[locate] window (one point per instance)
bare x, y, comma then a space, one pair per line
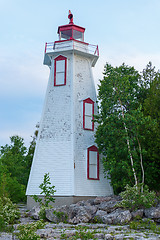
88, 112
92, 163
60, 66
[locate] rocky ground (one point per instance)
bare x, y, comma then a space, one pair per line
79, 216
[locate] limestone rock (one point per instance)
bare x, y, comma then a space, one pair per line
44, 233
34, 212
137, 213
99, 214
118, 216
99, 236
6, 236
98, 200
108, 237
56, 215
78, 214
153, 213
86, 203
108, 206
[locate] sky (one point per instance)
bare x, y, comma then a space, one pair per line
125, 31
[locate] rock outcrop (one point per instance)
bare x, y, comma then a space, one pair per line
100, 209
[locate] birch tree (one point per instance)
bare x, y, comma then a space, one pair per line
120, 122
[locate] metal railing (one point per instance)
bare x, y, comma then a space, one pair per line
71, 44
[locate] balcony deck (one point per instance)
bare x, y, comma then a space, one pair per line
70, 45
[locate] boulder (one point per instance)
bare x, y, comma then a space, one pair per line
89, 202
98, 200
109, 206
153, 213
56, 215
34, 212
98, 216
78, 214
138, 213
118, 216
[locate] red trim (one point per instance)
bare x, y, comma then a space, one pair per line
59, 58
73, 40
92, 149
88, 100
70, 26
97, 50
45, 47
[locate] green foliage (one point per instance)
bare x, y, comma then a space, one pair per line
47, 192
42, 213
15, 162
134, 199
8, 213
97, 220
119, 121
127, 127
81, 233
145, 224
27, 231
151, 101
61, 216
12, 170
31, 149
63, 235
84, 235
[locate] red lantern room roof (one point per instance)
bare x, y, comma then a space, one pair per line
71, 31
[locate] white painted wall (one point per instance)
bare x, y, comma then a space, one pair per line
62, 142
54, 150
83, 88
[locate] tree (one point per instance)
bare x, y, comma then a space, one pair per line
150, 99
15, 164
30, 152
121, 121
12, 169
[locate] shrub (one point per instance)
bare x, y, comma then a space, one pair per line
61, 216
81, 233
134, 199
47, 191
9, 212
27, 231
42, 212
145, 224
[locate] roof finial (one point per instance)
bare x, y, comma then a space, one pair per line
70, 16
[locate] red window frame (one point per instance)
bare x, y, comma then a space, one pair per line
92, 149
59, 58
90, 101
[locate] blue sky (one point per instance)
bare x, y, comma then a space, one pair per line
125, 30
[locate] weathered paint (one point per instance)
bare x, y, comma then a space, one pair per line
62, 143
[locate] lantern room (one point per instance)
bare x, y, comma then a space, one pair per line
71, 31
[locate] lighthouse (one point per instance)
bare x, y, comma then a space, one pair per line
66, 146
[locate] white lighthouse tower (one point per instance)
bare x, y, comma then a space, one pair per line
65, 146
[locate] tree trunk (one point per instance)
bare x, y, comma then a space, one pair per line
128, 144
140, 152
